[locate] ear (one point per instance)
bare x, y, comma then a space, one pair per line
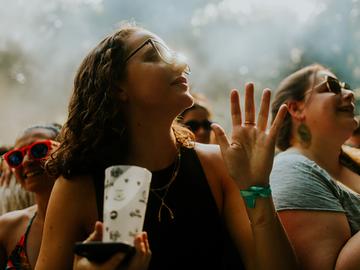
296, 110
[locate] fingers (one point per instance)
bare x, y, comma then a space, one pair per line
113, 262
142, 257
275, 127
235, 108
141, 243
220, 136
6, 174
96, 235
249, 104
264, 110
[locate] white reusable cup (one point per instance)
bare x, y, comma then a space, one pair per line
125, 197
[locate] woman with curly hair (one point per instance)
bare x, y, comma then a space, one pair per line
127, 94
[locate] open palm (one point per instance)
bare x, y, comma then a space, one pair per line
249, 155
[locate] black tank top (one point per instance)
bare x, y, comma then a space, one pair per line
196, 238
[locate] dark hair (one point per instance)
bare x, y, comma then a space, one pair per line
292, 88
94, 135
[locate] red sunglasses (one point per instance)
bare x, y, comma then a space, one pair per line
37, 150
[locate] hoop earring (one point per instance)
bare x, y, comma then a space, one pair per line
304, 134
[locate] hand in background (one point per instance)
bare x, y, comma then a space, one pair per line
5, 173
140, 260
249, 155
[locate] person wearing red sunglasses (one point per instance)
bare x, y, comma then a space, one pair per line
21, 231
205, 200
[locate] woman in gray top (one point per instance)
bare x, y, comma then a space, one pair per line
315, 192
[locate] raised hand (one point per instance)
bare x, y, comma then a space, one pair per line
249, 155
5, 173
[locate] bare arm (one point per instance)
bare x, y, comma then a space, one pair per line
248, 157
3, 254
322, 239
70, 217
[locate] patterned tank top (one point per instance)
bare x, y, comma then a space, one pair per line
18, 259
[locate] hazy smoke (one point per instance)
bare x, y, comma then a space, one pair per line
228, 43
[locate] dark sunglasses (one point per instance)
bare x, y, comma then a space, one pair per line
334, 85
37, 150
194, 125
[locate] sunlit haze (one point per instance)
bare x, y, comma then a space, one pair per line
227, 43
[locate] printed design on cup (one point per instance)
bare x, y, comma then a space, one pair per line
136, 213
119, 195
113, 214
133, 233
116, 172
125, 198
115, 235
143, 198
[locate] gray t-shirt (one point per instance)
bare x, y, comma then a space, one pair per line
298, 183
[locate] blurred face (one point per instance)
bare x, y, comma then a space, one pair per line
197, 120
156, 78
329, 107
30, 173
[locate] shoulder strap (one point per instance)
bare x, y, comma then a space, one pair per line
28, 227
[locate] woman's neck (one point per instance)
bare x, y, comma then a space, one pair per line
153, 148
41, 200
325, 155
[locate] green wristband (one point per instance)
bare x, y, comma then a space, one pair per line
252, 193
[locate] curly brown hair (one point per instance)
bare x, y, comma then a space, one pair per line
94, 135
292, 88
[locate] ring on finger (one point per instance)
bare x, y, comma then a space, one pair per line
250, 123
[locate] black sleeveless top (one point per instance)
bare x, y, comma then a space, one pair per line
196, 238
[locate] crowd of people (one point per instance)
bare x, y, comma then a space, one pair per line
215, 201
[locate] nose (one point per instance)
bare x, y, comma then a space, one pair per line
27, 158
348, 94
180, 64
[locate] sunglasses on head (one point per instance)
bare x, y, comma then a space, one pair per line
37, 150
334, 85
195, 125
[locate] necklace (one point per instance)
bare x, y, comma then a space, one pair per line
166, 188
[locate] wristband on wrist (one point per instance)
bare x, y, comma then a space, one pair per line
253, 192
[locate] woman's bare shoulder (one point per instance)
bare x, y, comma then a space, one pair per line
13, 224
210, 155
77, 195
208, 150
74, 186
14, 217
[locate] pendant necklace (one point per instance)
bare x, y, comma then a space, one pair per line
166, 188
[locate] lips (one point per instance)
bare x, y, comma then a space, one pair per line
347, 109
33, 173
181, 80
